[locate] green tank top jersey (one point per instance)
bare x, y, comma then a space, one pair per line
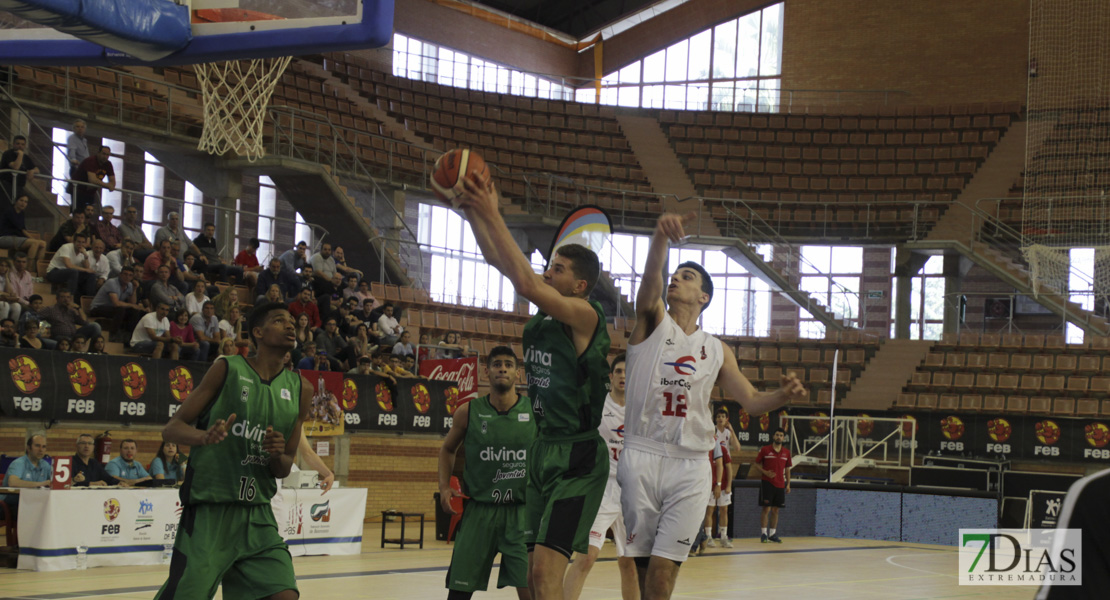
237, 470
568, 391
496, 451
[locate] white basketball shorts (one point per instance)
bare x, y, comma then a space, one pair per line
609, 515
663, 499
724, 500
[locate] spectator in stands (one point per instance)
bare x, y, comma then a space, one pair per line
278, 275
123, 257
79, 345
132, 229
341, 264
190, 272
450, 346
403, 347
247, 259
164, 291
362, 293
232, 327
408, 361
118, 300
381, 367
308, 279
328, 305
32, 470
168, 464
195, 300
16, 159
424, 350
99, 262
152, 334
172, 231
14, 234
98, 345
330, 342
157, 259
30, 338
182, 333
397, 368
350, 287
77, 150
304, 304
365, 366
217, 265
308, 356
71, 267
77, 223
105, 230
287, 362
348, 323
87, 471
303, 329
94, 174
19, 281
64, 345
206, 326
273, 295
228, 347
225, 300
67, 319
9, 338
359, 345
10, 305
124, 467
365, 315
293, 259
324, 271
390, 328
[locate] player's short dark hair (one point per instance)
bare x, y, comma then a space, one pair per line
208, 224
128, 440
33, 298
778, 429
19, 255
706, 280
618, 359
720, 410
253, 243
583, 262
501, 351
19, 137
258, 315
7, 320
80, 234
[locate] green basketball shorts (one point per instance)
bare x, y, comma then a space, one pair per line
566, 482
484, 530
234, 544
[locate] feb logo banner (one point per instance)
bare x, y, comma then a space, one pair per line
463, 371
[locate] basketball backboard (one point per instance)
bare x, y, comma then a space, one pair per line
188, 31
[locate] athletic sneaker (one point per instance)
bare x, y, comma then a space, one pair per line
763, 539
709, 543
775, 539
726, 543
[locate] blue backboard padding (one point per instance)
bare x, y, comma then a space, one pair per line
146, 29
375, 31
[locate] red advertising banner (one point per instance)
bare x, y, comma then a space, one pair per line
463, 371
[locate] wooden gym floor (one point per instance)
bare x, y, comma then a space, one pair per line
802, 568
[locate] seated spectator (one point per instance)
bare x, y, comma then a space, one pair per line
9, 338
397, 368
91, 174
329, 342
248, 257
118, 300
20, 283
105, 230
71, 267
206, 327
182, 334
172, 231
98, 345
341, 264
157, 259
287, 362
64, 345
124, 467
16, 159
273, 295
391, 329
216, 265
31, 339
424, 350
67, 319
308, 356
152, 334
226, 299
303, 330
76, 224
14, 234
190, 271
305, 304
164, 291
324, 271
408, 361
228, 347
168, 464
276, 274
450, 346
403, 347
79, 345
308, 279
365, 366
196, 299
293, 259
366, 313
122, 258
380, 362
232, 327
132, 229
99, 262
10, 305
32, 470
350, 287
362, 293
87, 471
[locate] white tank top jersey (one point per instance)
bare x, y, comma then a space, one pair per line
670, 381
723, 438
612, 431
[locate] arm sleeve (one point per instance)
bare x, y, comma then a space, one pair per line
789, 461
103, 475
142, 470
112, 469
156, 468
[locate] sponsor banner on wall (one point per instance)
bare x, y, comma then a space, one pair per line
170, 381
29, 390
463, 371
380, 399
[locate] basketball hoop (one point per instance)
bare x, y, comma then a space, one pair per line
236, 94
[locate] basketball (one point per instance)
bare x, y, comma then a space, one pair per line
449, 173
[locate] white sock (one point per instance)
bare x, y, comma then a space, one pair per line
722, 532
772, 532
709, 531
764, 530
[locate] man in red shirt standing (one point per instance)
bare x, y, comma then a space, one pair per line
774, 463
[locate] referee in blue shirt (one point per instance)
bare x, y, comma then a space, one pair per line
31, 470
125, 468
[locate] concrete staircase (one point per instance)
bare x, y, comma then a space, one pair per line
652, 148
886, 374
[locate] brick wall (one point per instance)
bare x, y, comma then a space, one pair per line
876, 277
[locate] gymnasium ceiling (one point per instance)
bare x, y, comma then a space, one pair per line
576, 18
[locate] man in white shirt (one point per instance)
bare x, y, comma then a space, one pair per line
391, 329
152, 334
123, 257
70, 267
98, 261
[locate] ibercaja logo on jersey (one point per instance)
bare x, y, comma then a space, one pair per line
384, 396
134, 380
421, 399
81, 376
25, 373
683, 366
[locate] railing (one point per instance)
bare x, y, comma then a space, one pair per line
328, 144
957, 301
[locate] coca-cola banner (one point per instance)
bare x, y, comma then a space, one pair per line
463, 371
326, 417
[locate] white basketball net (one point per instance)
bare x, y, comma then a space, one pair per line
1066, 205
236, 94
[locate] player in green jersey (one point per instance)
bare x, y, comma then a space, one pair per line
497, 429
565, 350
243, 423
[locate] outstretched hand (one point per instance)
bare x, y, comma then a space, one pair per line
674, 226
792, 388
480, 193
218, 431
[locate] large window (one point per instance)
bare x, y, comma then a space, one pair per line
459, 274
415, 59
1081, 286
735, 66
926, 300
831, 275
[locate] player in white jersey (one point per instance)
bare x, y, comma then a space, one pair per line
609, 515
725, 440
672, 368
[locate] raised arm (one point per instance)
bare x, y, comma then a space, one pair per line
737, 388
327, 478
649, 298
447, 453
